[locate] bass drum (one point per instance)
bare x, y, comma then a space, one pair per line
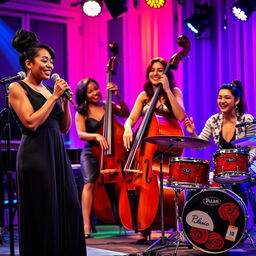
214, 220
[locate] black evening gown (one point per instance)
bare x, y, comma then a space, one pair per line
50, 216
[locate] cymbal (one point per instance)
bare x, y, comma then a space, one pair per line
177, 141
247, 141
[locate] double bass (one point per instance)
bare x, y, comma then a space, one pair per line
139, 198
111, 161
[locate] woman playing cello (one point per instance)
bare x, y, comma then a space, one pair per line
89, 118
170, 102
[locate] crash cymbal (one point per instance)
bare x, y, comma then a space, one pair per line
247, 141
177, 141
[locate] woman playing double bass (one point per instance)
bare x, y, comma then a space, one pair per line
170, 103
89, 119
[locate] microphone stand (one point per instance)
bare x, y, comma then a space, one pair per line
9, 171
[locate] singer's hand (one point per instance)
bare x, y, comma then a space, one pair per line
60, 87
64, 98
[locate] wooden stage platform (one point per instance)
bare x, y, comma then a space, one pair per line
110, 240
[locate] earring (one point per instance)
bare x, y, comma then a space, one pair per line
236, 108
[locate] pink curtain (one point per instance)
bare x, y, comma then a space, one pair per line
230, 54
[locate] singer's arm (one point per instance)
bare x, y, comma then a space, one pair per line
66, 120
20, 103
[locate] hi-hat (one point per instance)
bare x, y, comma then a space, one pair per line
177, 141
247, 141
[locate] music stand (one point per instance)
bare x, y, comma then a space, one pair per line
170, 142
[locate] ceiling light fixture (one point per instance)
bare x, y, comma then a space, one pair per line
201, 19
156, 4
91, 8
243, 9
116, 7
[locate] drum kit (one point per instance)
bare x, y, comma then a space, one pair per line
214, 219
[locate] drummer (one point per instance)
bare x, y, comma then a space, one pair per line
222, 126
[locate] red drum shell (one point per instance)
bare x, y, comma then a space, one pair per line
231, 166
187, 172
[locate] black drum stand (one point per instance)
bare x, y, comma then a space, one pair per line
174, 240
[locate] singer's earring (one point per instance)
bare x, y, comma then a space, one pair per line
236, 108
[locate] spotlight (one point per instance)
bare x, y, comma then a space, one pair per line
201, 19
243, 9
116, 7
92, 7
155, 3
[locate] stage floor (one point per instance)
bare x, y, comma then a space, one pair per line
110, 240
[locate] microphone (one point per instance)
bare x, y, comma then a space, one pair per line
19, 76
246, 123
67, 93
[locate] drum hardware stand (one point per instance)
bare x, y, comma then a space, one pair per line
247, 235
178, 234
175, 238
251, 199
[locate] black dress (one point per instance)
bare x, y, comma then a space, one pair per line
89, 163
50, 217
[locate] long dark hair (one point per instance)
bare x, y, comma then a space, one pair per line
236, 90
28, 45
81, 95
148, 87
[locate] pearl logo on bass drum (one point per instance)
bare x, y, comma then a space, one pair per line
211, 201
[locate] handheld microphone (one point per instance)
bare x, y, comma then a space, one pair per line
19, 76
246, 123
67, 93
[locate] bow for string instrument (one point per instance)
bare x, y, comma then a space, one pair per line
111, 177
139, 198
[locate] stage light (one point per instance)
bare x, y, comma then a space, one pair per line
201, 19
243, 9
155, 3
116, 7
92, 8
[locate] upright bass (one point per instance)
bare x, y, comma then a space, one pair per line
111, 177
139, 198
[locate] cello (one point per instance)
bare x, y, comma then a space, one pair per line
111, 161
139, 197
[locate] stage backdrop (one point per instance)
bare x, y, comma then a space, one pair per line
228, 55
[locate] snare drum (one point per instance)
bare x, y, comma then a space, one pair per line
214, 220
231, 166
187, 172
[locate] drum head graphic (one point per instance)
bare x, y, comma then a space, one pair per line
214, 221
